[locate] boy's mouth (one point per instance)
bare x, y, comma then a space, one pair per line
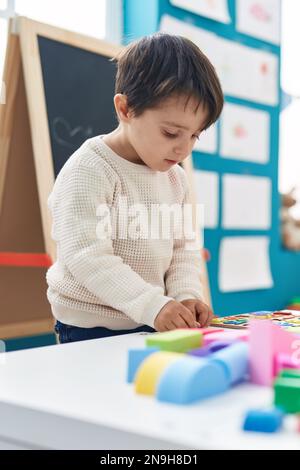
171, 162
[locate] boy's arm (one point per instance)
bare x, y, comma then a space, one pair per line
91, 260
183, 281
183, 276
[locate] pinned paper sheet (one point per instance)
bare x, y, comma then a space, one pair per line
248, 73
207, 192
246, 202
245, 133
245, 72
244, 264
214, 9
259, 18
205, 40
207, 141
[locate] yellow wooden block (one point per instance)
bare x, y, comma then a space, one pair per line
149, 373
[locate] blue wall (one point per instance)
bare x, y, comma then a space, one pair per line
28, 342
143, 17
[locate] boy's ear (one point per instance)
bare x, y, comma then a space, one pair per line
121, 106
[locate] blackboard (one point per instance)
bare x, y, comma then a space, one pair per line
79, 90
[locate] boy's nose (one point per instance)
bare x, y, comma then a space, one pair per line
182, 150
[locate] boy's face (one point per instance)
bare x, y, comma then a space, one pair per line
165, 135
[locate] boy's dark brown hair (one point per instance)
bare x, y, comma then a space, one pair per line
159, 66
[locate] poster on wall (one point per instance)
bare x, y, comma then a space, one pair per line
247, 73
245, 264
213, 9
259, 18
204, 39
246, 202
245, 133
244, 72
207, 193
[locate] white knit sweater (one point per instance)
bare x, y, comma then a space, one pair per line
115, 281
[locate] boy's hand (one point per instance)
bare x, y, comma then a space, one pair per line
174, 315
201, 312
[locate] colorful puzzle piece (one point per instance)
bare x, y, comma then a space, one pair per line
287, 319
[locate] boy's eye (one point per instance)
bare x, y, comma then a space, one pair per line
173, 136
169, 134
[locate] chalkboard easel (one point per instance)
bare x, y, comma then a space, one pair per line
60, 88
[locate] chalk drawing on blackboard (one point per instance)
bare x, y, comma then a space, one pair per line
69, 137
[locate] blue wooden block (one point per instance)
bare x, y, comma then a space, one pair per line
235, 360
210, 348
191, 379
135, 359
263, 420
200, 352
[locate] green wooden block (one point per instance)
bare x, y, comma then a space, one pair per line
176, 340
290, 373
287, 394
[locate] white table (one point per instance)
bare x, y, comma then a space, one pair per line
75, 396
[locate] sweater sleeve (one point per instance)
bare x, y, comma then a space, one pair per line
91, 258
183, 276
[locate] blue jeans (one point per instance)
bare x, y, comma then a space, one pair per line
70, 333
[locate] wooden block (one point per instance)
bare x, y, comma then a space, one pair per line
235, 360
191, 379
176, 341
290, 373
283, 362
263, 420
287, 394
267, 340
151, 369
135, 359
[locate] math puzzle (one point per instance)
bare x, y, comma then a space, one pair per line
287, 319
